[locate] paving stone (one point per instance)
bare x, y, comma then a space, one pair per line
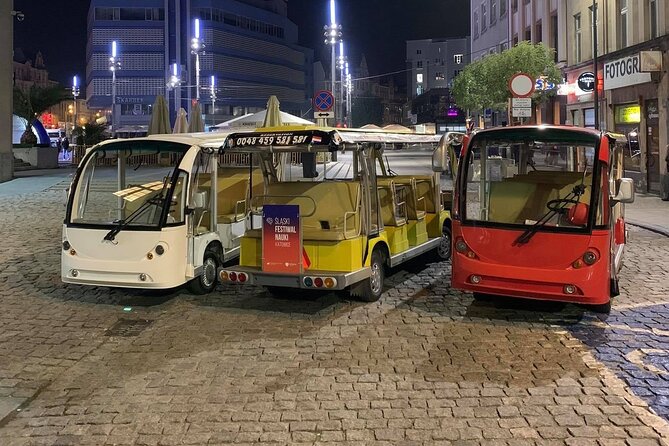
425, 365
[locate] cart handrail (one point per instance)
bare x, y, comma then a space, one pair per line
253, 201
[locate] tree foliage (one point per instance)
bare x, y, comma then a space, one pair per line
30, 104
366, 110
90, 134
485, 83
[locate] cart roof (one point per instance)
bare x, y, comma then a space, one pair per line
319, 139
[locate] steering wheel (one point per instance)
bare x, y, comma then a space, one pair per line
556, 205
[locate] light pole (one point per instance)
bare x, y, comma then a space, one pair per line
333, 35
75, 95
197, 48
114, 66
595, 61
349, 105
173, 83
212, 95
341, 61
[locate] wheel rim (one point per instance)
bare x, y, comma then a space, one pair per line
376, 278
208, 272
444, 249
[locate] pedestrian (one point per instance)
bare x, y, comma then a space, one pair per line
65, 143
664, 185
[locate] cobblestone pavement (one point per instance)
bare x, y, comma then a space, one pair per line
425, 365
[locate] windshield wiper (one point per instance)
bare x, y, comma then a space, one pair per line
122, 224
558, 208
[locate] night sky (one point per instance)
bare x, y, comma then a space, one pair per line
376, 28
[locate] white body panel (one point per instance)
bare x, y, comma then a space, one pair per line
120, 263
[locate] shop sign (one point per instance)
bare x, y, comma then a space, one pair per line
281, 239
624, 73
586, 82
628, 114
651, 61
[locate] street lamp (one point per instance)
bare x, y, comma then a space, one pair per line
349, 89
75, 95
197, 48
173, 83
595, 61
212, 95
341, 62
114, 66
333, 34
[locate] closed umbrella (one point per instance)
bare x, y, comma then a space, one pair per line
181, 124
273, 119
196, 123
273, 115
160, 117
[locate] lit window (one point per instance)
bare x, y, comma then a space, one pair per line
419, 78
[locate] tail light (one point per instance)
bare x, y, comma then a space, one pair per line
233, 276
320, 282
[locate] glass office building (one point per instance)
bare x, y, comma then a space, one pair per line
250, 48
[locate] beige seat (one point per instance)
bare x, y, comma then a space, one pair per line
393, 211
415, 204
329, 211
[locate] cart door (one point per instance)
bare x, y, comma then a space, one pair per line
201, 205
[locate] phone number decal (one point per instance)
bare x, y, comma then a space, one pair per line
272, 140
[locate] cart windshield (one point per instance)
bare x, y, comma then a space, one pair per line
148, 188
534, 178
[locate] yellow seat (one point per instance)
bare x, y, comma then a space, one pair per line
329, 210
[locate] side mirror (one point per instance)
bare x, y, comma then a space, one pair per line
199, 200
440, 157
624, 191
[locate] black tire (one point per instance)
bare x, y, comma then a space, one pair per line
205, 283
601, 308
372, 289
445, 248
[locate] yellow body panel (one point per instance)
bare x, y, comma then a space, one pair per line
435, 223
398, 238
343, 255
417, 232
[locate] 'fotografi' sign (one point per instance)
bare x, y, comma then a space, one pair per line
624, 72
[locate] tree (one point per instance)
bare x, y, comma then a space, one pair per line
90, 134
367, 110
30, 104
485, 83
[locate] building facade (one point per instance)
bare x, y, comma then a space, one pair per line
490, 27
250, 49
633, 46
29, 72
434, 63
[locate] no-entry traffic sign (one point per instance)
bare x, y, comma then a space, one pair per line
324, 101
522, 85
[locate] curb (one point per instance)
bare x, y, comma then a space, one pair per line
653, 228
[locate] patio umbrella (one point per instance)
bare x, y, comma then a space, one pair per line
181, 123
196, 123
160, 117
273, 115
273, 119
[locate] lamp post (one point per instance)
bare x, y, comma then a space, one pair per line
173, 83
114, 66
212, 95
333, 35
349, 105
75, 95
341, 61
197, 48
595, 61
